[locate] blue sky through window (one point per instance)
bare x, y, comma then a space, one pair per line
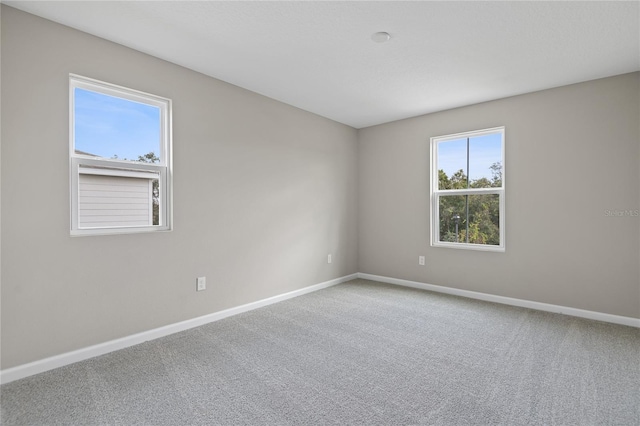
109, 126
483, 152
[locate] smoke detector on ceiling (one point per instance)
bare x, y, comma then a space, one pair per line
380, 37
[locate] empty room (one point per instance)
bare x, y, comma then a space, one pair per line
310, 213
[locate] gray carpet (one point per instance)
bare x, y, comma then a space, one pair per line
357, 353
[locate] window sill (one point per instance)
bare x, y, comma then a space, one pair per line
464, 246
87, 232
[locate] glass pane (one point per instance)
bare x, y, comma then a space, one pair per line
453, 218
485, 161
484, 219
111, 127
473, 219
112, 197
452, 164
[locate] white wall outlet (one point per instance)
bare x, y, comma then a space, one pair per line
329, 259
421, 260
201, 283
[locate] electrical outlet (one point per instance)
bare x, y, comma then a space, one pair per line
201, 283
329, 259
421, 260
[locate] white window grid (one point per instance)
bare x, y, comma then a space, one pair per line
436, 193
122, 167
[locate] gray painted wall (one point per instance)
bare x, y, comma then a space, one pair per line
262, 193
571, 154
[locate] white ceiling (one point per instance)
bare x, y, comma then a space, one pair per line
319, 56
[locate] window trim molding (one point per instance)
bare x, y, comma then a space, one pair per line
129, 168
435, 193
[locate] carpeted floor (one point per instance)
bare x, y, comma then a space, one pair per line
357, 353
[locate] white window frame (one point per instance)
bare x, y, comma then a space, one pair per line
115, 167
435, 193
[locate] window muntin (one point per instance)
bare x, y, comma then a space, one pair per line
120, 159
467, 190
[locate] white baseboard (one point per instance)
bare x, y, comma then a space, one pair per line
25, 370
40, 366
598, 316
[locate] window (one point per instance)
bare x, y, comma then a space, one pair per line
120, 159
467, 190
